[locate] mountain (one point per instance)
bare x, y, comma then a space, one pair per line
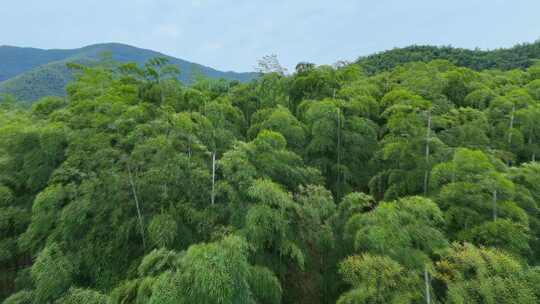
30, 73
517, 57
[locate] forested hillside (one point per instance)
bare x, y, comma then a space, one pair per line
418, 184
16, 60
518, 57
29, 74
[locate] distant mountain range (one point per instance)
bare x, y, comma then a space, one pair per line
30, 73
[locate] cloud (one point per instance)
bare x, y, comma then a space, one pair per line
167, 30
198, 3
212, 46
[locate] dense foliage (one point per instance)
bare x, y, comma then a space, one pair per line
415, 185
520, 56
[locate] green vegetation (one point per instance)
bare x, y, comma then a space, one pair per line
30, 74
519, 57
332, 185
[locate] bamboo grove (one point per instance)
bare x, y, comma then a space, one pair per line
414, 185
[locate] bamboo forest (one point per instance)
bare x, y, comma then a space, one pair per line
376, 181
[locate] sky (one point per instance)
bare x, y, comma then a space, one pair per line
234, 34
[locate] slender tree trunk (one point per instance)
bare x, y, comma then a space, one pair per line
213, 176
338, 152
511, 124
426, 281
510, 130
426, 173
136, 198
189, 148
494, 205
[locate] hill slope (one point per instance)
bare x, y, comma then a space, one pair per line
519, 56
29, 73
16, 60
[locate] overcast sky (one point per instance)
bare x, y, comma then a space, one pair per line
233, 34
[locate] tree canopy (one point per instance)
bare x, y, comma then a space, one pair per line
415, 182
